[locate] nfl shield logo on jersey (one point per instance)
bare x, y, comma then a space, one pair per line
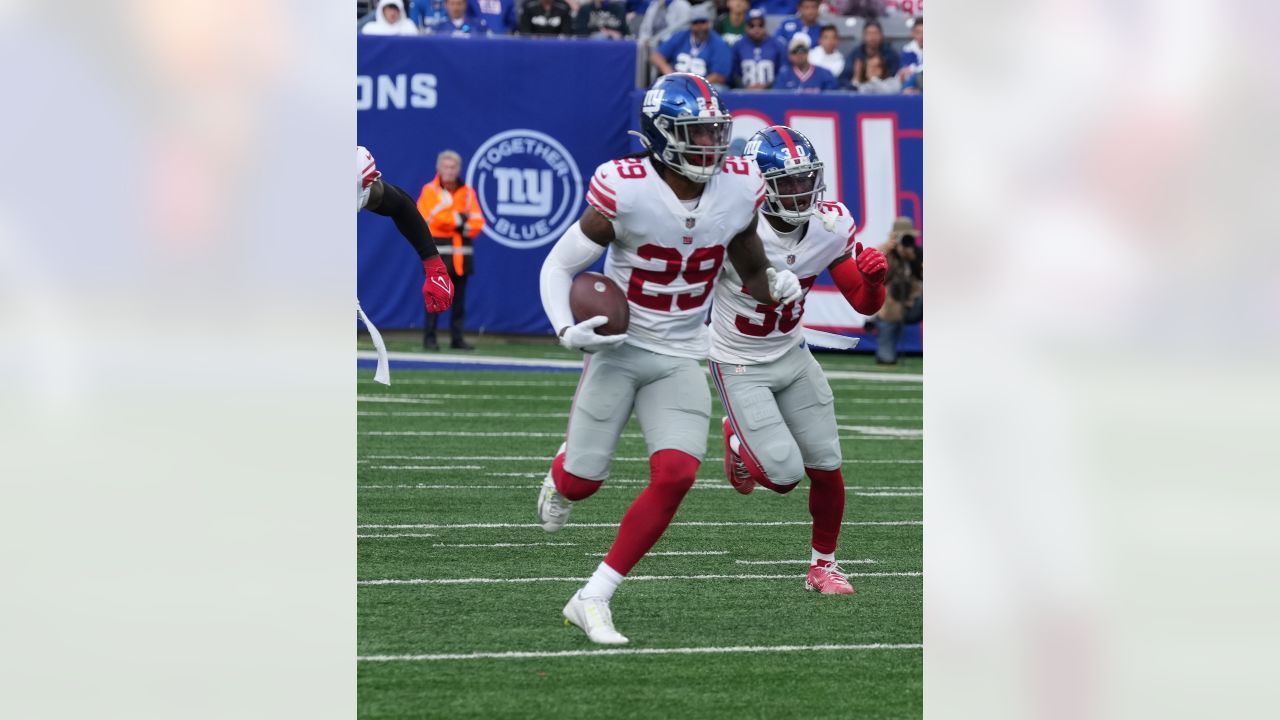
689, 223
791, 259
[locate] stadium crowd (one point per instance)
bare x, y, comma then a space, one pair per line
813, 46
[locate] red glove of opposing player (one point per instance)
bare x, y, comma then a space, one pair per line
871, 263
437, 290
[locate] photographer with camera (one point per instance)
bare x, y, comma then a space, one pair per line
904, 295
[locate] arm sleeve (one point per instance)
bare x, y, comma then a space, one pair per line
864, 298
572, 254
397, 205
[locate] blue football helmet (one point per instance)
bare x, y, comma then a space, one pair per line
792, 172
684, 124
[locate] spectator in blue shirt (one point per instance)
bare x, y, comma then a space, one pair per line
758, 56
457, 23
873, 45
775, 7
801, 76
806, 21
499, 15
426, 13
697, 50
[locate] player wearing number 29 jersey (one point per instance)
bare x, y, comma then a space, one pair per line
669, 219
781, 422
666, 254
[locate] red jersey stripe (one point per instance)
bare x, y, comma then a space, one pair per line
600, 208
603, 200
595, 183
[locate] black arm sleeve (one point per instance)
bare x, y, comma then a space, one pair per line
397, 205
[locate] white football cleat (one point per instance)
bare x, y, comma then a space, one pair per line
592, 616
553, 508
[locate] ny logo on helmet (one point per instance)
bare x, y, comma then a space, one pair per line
652, 101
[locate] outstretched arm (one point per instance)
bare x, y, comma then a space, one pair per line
860, 278
390, 201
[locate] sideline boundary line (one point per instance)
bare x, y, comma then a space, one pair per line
527, 654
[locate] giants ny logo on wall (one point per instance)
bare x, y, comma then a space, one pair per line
528, 187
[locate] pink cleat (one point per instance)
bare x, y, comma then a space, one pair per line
735, 471
828, 579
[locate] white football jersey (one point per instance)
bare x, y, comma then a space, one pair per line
366, 173
666, 256
745, 332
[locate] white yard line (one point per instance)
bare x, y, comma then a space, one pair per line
502, 545
450, 414
878, 417
486, 383
452, 359
684, 523
470, 433
630, 578
397, 399
547, 654
889, 494
800, 562
875, 376
399, 535
426, 467
547, 459
511, 458
880, 430
528, 434
671, 553
524, 487
566, 397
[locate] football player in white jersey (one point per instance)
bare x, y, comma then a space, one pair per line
781, 422
383, 198
668, 218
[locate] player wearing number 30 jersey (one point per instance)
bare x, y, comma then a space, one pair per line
669, 219
781, 423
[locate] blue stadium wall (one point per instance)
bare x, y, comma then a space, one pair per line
532, 120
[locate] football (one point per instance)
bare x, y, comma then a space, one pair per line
594, 294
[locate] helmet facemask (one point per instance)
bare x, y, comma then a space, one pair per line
696, 146
792, 193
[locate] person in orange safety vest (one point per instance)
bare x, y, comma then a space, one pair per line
454, 219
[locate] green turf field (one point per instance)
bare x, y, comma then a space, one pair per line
442, 454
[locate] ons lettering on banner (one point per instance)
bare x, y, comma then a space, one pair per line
528, 187
396, 92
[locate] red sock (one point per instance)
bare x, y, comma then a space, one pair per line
826, 505
671, 474
569, 485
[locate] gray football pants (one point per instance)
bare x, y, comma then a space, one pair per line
668, 394
783, 413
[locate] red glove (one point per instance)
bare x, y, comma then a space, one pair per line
871, 263
437, 290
